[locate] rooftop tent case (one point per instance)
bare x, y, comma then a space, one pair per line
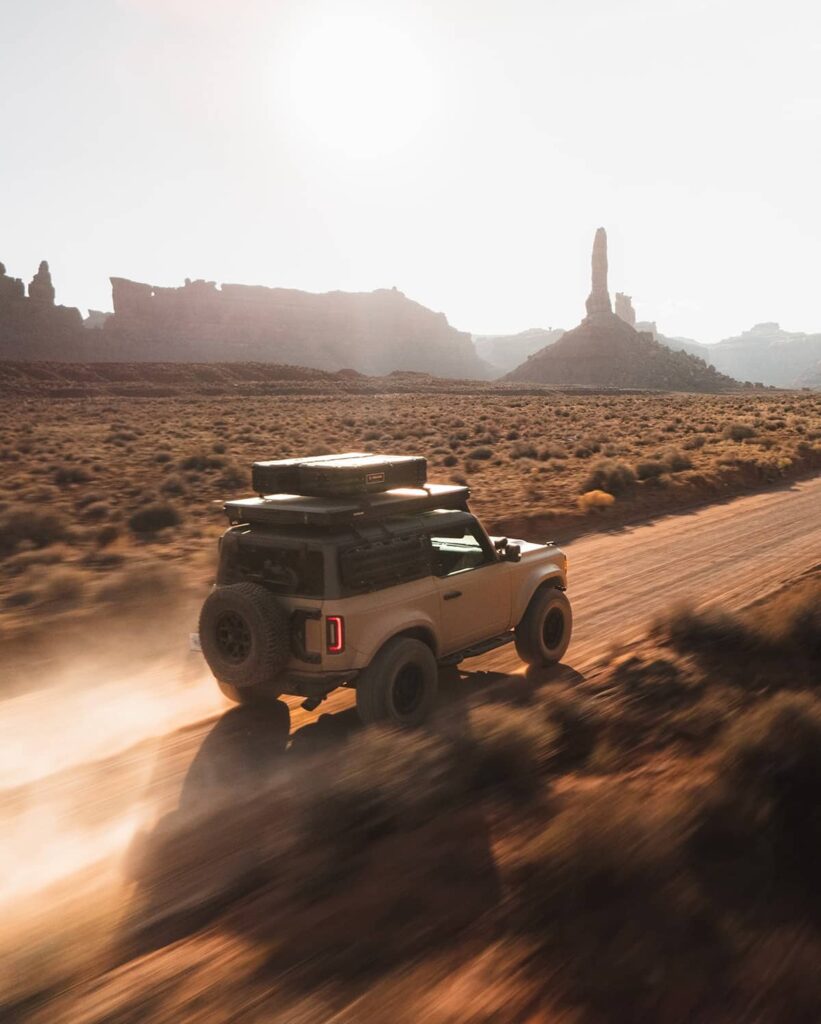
330, 476
294, 510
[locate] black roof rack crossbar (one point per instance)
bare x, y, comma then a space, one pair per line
300, 510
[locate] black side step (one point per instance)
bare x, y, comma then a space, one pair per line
482, 648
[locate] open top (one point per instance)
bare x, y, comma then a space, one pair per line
298, 510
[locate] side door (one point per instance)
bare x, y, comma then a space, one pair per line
474, 586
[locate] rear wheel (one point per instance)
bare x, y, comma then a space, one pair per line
399, 685
244, 637
543, 635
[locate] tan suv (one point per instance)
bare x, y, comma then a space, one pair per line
373, 591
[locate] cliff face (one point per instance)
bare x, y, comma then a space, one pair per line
768, 354
32, 326
372, 332
605, 350
765, 354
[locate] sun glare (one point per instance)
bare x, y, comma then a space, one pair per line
358, 86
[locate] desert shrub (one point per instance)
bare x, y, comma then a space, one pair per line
696, 441
481, 453
65, 475
676, 461
581, 452
604, 891
791, 622
552, 451
509, 749
142, 584
512, 435
650, 469
387, 781
234, 476
202, 461
162, 457
737, 432
595, 499
449, 460
577, 722
96, 512
609, 475
759, 815
173, 484
705, 631
154, 517
106, 535
34, 526
523, 451
788, 627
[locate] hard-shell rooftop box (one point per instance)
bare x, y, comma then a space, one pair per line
352, 473
305, 510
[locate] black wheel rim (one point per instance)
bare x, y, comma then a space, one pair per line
408, 690
553, 628
233, 637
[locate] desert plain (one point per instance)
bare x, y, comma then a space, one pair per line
624, 838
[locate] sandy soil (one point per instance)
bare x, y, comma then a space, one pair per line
108, 752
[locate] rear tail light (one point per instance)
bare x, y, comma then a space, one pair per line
335, 634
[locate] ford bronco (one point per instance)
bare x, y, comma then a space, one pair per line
346, 583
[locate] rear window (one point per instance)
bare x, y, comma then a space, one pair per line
298, 571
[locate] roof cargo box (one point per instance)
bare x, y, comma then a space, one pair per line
282, 475
345, 475
301, 510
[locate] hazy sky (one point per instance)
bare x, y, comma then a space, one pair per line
462, 150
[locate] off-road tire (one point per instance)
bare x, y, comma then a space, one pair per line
244, 635
543, 635
400, 684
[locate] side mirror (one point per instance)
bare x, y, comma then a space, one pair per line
512, 553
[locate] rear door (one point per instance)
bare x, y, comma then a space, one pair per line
474, 586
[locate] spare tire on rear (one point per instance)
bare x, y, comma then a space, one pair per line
244, 635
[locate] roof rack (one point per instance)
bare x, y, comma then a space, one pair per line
303, 510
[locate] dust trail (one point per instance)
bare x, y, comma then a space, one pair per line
80, 719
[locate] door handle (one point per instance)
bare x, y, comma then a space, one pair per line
451, 594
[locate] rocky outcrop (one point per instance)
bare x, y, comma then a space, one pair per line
372, 332
607, 351
96, 318
41, 290
624, 308
32, 326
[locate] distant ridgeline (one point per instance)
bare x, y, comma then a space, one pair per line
372, 332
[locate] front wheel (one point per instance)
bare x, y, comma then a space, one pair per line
399, 685
543, 635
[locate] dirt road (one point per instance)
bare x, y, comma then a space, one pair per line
92, 769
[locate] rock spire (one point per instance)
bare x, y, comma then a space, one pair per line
598, 302
41, 290
624, 308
